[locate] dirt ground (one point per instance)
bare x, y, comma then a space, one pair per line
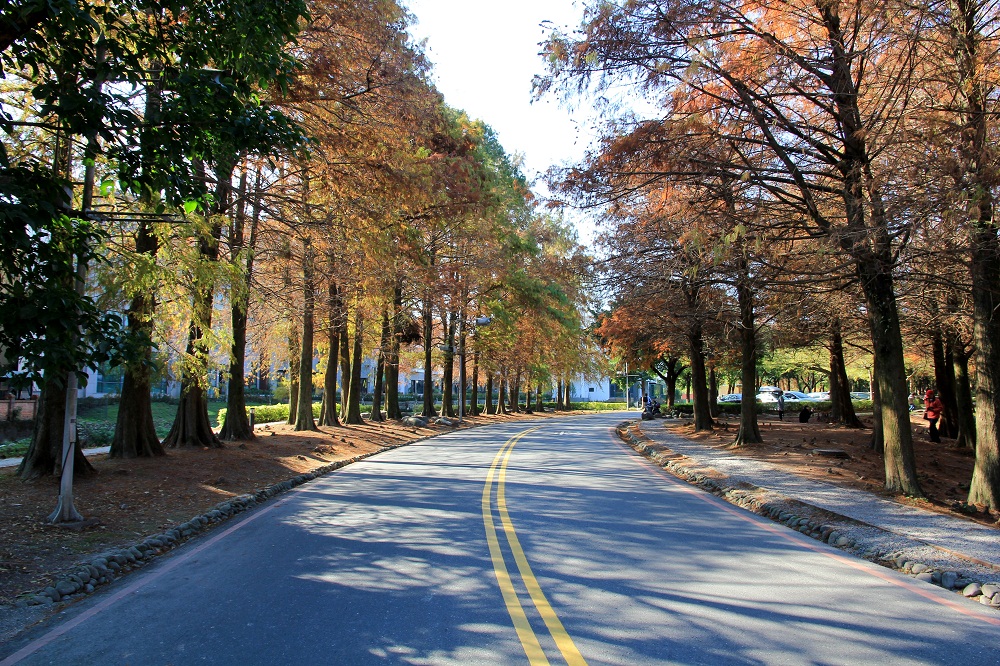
943, 470
136, 498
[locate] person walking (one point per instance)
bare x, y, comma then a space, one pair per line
781, 406
932, 412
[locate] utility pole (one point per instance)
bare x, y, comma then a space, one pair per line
65, 510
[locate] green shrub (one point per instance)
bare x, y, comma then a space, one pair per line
598, 406
95, 433
266, 413
16, 448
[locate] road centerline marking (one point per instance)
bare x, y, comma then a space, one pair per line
529, 641
559, 634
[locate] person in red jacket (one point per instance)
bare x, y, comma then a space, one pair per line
932, 412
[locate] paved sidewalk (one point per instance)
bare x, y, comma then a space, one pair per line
14, 462
950, 534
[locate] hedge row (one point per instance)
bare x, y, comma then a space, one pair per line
266, 413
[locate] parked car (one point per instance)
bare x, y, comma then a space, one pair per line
798, 396
819, 395
790, 396
860, 395
731, 397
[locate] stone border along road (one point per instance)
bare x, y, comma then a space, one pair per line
894, 551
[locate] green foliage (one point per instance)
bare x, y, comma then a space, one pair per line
45, 322
598, 406
15, 449
267, 413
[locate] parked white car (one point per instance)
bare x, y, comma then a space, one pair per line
790, 396
731, 397
819, 395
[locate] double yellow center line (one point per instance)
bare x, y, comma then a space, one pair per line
532, 648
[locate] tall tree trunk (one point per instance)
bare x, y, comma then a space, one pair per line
304, 415
514, 394
894, 410
44, 454
328, 410
392, 361
345, 357
428, 322
448, 364
380, 368
985, 487
135, 432
502, 395
702, 414
840, 389
539, 405
527, 396
878, 436
354, 404
749, 432
488, 405
568, 399
294, 367
236, 426
474, 401
978, 179
963, 397
713, 393
944, 380
191, 425
463, 377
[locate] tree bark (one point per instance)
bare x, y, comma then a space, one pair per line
345, 356
380, 369
985, 487
749, 432
568, 400
944, 380
502, 396
963, 398
488, 403
702, 414
840, 394
474, 401
878, 436
191, 425
448, 365
463, 377
354, 403
135, 432
304, 415
392, 361
328, 410
294, 362
713, 393
236, 426
428, 322
44, 454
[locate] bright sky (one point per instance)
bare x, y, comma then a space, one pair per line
485, 55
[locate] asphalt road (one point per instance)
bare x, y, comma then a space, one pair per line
532, 542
